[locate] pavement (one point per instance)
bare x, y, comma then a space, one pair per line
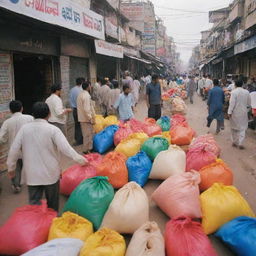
242, 162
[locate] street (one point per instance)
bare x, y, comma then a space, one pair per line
241, 162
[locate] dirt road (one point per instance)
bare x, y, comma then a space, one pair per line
243, 164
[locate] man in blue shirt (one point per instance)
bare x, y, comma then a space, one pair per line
74, 92
153, 92
125, 104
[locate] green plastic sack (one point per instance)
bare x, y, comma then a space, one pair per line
91, 199
154, 145
165, 123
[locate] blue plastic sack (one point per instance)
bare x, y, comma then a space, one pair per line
104, 140
165, 123
139, 167
240, 235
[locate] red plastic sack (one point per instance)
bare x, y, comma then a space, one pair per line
74, 175
114, 167
27, 228
150, 121
181, 136
135, 125
122, 133
178, 120
179, 195
151, 128
94, 159
198, 158
184, 237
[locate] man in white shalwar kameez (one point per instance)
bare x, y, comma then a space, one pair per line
238, 114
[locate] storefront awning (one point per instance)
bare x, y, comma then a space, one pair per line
139, 59
108, 49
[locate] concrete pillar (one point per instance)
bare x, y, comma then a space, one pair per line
93, 68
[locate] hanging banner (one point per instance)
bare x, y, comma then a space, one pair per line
64, 13
108, 49
114, 3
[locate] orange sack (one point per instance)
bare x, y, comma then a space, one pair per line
216, 172
114, 167
182, 135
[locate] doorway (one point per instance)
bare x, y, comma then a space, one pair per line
33, 76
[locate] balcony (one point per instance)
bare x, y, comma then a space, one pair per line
236, 11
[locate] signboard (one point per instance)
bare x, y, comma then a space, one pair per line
64, 13
150, 49
108, 49
246, 45
114, 3
131, 52
133, 11
111, 29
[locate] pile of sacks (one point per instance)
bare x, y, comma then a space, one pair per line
107, 199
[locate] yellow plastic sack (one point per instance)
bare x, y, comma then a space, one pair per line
99, 123
110, 120
105, 242
165, 135
129, 147
70, 225
140, 136
221, 204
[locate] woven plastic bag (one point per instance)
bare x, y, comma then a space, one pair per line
165, 123
114, 167
216, 172
147, 241
128, 211
178, 120
73, 176
27, 228
104, 141
179, 195
57, 247
153, 146
182, 135
105, 242
185, 237
129, 147
135, 125
168, 162
198, 158
110, 120
152, 129
240, 235
70, 225
91, 199
99, 123
122, 133
139, 167
141, 136
220, 204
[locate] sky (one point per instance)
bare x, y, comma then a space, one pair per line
185, 24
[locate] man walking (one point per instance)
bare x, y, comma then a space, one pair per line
104, 97
153, 92
191, 88
86, 116
201, 85
238, 114
74, 92
59, 114
41, 144
8, 133
208, 86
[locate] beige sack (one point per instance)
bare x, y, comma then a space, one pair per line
168, 163
146, 241
128, 211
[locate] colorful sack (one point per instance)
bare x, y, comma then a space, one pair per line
139, 167
91, 199
217, 172
179, 195
114, 167
141, 136
122, 133
99, 123
147, 241
94, 159
168, 162
128, 211
165, 123
240, 235
152, 129
179, 120
198, 158
135, 125
73, 176
186, 237
153, 146
149, 120
57, 247
129, 147
103, 243
182, 135
70, 225
110, 120
224, 200
104, 140
27, 228
179, 106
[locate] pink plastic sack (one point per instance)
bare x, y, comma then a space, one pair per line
27, 228
74, 175
151, 128
179, 195
122, 133
198, 158
94, 159
178, 120
135, 125
184, 237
